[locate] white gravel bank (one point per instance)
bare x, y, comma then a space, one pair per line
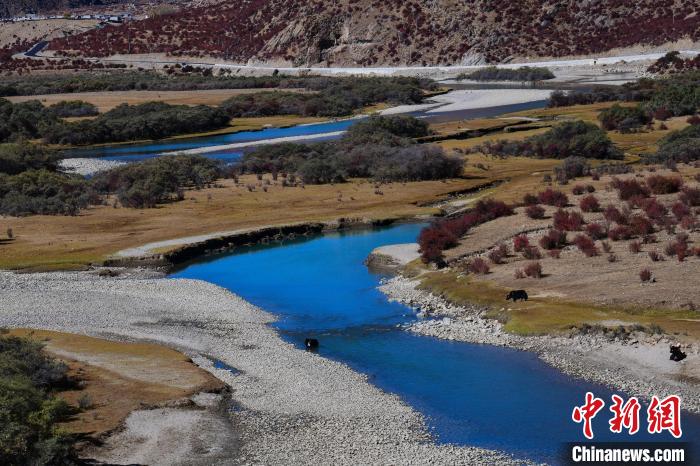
88, 166
639, 367
295, 407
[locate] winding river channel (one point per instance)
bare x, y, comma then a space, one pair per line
481, 395
470, 394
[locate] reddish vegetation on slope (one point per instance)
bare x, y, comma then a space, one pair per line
393, 32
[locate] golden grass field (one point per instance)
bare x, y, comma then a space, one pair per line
143, 374
98, 232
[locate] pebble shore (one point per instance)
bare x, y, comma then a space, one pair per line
637, 366
291, 406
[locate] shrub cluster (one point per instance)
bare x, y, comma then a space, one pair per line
29, 411
659, 184
378, 148
564, 220
553, 198
157, 180
73, 108
525, 73
30, 183
152, 120
680, 146
568, 139
336, 98
444, 234
623, 118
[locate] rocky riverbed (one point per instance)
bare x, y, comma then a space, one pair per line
289, 406
637, 364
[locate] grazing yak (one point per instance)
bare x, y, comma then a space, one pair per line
516, 295
311, 343
677, 354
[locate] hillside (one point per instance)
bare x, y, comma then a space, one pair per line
393, 32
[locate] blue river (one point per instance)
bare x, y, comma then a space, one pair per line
142, 151
470, 394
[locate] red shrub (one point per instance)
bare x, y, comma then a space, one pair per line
613, 214
554, 253
620, 232
553, 239
629, 188
590, 188
693, 120
654, 209
680, 210
535, 211
635, 247
655, 256
533, 269
519, 273
690, 196
554, 198
445, 234
520, 242
532, 253
495, 256
589, 204
478, 266
689, 223
596, 231
641, 225
586, 245
567, 221
645, 275
432, 241
659, 184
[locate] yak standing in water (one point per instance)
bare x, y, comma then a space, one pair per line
311, 343
677, 354
517, 295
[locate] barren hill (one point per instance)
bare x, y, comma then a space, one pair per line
394, 32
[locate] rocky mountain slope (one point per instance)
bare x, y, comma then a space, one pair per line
394, 32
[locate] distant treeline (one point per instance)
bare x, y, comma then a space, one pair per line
150, 80
568, 139
525, 73
329, 97
676, 95
333, 99
153, 120
380, 148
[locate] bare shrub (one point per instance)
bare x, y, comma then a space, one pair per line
635, 247
655, 256
645, 275
533, 270
478, 266
553, 239
532, 253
